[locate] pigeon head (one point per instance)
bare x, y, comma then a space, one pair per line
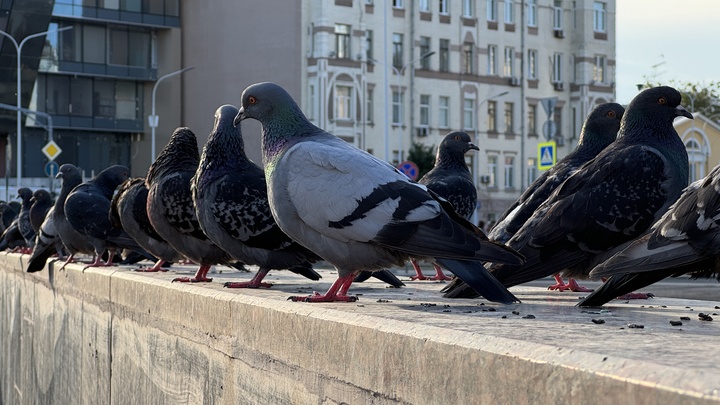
653, 109
452, 149
67, 170
270, 104
41, 195
224, 151
180, 154
25, 194
108, 179
225, 118
602, 125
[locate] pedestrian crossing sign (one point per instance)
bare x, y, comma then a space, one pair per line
546, 155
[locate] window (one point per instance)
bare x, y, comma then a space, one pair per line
557, 75
532, 64
444, 55
574, 123
397, 50
424, 110
509, 12
532, 119
532, 13
443, 112
468, 10
509, 171
311, 103
468, 58
443, 6
557, 117
532, 171
81, 97
509, 65
599, 75
492, 60
343, 99
342, 41
492, 171
118, 46
125, 101
696, 160
369, 106
492, 10
57, 95
139, 55
424, 5
599, 24
468, 114
397, 3
93, 44
104, 99
424, 50
557, 15
509, 116
369, 45
127, 47
492, 118
130, 5
397, 105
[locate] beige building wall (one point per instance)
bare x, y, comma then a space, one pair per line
701, 137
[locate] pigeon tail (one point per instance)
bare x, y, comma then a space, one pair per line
475, 275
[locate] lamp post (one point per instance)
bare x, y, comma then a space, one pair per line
153, 118
18, 49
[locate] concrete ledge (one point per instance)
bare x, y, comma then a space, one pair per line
117, 336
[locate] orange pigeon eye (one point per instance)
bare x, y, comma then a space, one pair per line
611, 114
252, 100
662, 101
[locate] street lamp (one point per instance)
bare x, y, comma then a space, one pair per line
398, 74
153, 118
18, 49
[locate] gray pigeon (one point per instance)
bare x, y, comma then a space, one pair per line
12, 238
450, 178
611, 199
231, 203
356, 211
87, 209
23, 224
170, 207
56, 228
41, 204
685, 240
129, 212
599, 130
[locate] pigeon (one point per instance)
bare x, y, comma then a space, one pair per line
611, 199
87, 210
685, 240
356, 211
23, 219
41, 204
129, 212
231, 203
56, 232
12, 238
170, 207
8, 212
450, 178
599, 130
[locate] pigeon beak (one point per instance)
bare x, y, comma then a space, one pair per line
239, 117
682, 112
473, 146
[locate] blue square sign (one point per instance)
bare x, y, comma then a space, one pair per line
546, 155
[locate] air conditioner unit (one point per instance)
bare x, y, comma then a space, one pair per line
421, 132
559, 33
559, 86
559, 141
514, 81
485, 179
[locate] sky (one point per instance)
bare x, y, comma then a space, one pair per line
682, 38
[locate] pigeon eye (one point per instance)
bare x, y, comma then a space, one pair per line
662, 101
611, 114
457, 138
252, 100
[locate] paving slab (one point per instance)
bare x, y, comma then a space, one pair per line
406, 345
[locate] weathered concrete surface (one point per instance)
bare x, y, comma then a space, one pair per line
116, 336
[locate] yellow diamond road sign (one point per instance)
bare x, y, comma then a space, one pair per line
51, 150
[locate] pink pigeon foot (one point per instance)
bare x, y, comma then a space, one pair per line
418, 273
559, 285
574, 286
439, 275
199, 277
336, 292
256, 281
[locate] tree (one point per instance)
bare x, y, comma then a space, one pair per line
423, 156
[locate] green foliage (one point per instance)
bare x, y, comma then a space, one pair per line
423, 156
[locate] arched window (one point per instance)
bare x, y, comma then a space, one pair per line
697, 159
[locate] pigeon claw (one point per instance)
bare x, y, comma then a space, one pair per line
419, 277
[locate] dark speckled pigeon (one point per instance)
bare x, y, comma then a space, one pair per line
611, 199
599, 130
23, 224
41, 204
87, 209
170, 207
129, 212
356, 211
685, 240
230, 197
450, 178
